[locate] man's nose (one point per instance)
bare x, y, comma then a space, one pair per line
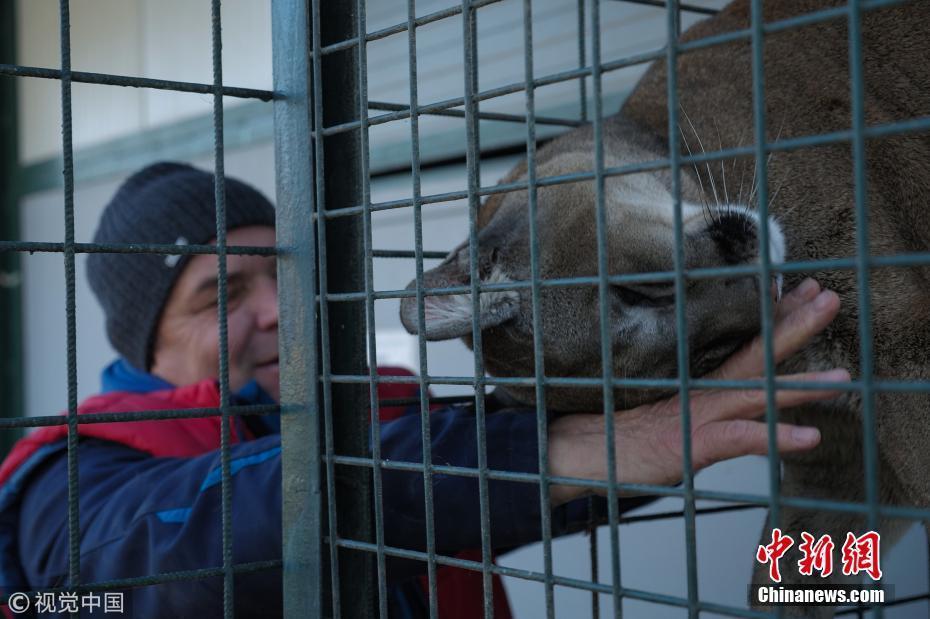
266, 304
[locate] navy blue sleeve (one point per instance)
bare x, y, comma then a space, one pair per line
142, 515
514, 506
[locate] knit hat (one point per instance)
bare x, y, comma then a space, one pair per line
169, 203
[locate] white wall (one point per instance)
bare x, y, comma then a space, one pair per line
163, 39
170, 39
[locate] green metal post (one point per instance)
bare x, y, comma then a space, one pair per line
341, 269
11, 376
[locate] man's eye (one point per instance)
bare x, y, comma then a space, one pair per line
233, 295
659, 294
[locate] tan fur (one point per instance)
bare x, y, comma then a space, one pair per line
807, 92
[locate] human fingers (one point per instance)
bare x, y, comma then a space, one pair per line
791, 333
796, 297
742, 437
709, 406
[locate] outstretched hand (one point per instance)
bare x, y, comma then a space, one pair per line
724, 422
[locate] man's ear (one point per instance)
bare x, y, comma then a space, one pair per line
450, 316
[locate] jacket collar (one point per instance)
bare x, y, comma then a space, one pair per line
120, 375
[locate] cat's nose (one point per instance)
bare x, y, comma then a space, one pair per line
736, 237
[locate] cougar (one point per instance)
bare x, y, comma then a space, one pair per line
812, 217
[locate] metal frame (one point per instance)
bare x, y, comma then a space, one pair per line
251, 124
68, 248
11, 380
760, 149
334, 559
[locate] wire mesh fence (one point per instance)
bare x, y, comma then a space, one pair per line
760, 150
335, 555
68, 248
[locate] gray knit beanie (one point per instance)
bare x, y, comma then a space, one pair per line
162, 203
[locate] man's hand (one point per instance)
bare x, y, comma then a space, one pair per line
724, 422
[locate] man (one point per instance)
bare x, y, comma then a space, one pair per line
150, 490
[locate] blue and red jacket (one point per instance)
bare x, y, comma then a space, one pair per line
150, 500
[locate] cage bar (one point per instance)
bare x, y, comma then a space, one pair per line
562, 581
513, 118
222, 309
897, 260
469, 37
864, 296
302, 513
404, 26
419, 255
105, 79
681, 325
771, 414
338, 182
74, 527
607, 366
11, 370
368, 267
913, 125
542, 416
614, 65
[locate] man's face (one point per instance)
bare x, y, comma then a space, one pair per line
187, 340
